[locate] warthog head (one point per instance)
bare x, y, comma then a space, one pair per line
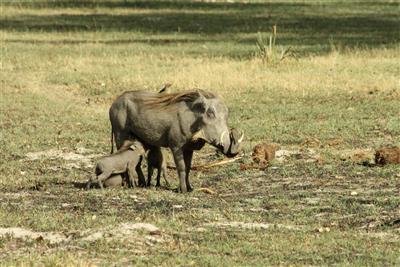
212, 126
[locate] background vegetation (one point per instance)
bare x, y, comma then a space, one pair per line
63, 63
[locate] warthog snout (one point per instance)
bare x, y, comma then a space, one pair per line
236, 138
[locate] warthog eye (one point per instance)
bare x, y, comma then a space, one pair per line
211, 113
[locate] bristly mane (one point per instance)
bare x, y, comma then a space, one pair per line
165, 100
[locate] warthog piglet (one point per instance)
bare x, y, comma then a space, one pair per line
124, 160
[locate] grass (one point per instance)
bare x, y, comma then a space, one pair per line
63, 63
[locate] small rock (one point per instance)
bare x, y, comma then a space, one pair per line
354, 193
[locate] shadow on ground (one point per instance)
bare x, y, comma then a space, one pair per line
361, 24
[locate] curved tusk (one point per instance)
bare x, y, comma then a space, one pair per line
241, 138
221, 139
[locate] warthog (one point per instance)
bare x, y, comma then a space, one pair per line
125, 160
181, 121
155, 160
115, 180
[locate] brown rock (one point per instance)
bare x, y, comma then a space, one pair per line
387, 155
264, 153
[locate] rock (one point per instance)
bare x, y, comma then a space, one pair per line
387, 155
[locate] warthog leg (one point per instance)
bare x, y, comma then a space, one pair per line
102, 177
142, 180
187, 156
158, 184
150, 171
131, 175
89, 183
180, 167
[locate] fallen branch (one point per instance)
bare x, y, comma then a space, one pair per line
210, 165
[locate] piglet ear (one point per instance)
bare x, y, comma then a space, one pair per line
200, 104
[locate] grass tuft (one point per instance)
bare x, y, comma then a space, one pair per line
269, 52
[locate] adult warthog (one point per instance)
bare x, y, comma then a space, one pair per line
181, 121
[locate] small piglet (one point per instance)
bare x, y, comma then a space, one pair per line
125, 160
115, 180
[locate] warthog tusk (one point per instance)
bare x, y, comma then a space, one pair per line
241, 138
198, 135
221, 139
